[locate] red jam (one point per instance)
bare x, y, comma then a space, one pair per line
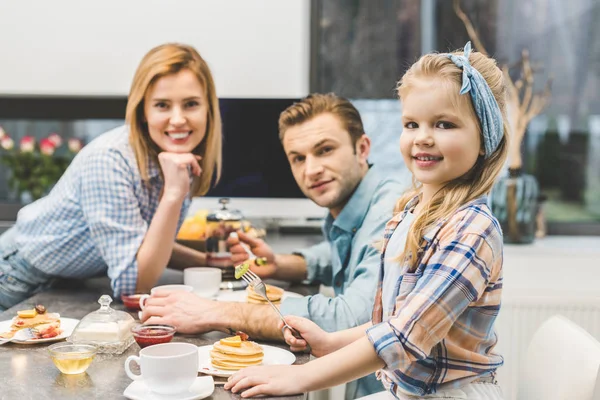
149, 335
131, 302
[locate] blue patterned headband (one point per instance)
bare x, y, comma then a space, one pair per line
484, 102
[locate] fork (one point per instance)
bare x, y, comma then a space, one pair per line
259, 287
21, 335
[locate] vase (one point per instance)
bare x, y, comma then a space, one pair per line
514, 202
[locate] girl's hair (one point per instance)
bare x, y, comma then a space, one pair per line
478, 181
166, 60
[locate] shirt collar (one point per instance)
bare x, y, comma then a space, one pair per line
432, 232
354, 212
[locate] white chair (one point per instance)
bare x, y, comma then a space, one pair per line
562, 363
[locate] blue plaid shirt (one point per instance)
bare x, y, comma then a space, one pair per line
442, 333
96, 217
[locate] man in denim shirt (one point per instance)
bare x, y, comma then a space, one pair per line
324, 141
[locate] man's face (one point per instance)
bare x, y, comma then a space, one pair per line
325, 164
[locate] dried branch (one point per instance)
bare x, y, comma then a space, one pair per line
470, 29
523, 103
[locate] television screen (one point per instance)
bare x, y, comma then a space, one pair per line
254, 163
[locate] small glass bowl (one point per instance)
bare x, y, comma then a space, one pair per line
148, 335
72, 358
132, 301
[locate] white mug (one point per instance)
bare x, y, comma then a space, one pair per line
164, 288
167, 368
205, 281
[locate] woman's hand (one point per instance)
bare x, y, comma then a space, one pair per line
268, 380
320, 341
175, 168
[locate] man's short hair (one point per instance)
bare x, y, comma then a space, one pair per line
317, 104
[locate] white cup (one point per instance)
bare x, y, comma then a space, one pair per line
167, 368
164, 288
205, 281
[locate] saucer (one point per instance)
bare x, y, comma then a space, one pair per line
202, 387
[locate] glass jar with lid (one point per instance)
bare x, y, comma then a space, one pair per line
107, 329
219, 224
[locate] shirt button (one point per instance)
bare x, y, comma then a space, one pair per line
338, 282
354, 230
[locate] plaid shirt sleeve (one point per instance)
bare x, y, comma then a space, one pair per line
455, 275
112, 211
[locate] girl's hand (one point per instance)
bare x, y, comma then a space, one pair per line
320, 341
175, 167
268, 380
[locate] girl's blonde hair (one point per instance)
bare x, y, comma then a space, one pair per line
478, 181
166, 60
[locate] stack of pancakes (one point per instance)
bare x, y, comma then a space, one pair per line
233, 357
273, 293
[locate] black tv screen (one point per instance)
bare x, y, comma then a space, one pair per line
254, 163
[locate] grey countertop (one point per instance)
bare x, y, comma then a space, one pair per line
27, 372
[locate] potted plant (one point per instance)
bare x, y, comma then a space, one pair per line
36, 166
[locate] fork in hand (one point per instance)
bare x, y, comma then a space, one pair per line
259, 287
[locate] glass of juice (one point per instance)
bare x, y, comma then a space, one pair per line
71, 358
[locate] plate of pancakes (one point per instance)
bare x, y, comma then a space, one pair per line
275, 294
229, 355
44, 327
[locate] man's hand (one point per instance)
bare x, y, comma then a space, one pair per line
187, 312
258, 247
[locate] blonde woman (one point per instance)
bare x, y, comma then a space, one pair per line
432, 330
118, 207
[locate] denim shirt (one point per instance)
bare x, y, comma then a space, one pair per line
348, 261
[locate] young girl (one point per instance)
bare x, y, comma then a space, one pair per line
432, 330
117, 208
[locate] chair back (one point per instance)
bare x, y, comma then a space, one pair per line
562, 363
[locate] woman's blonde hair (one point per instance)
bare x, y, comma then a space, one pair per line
164, 60
478, 181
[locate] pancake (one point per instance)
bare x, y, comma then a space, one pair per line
233, 355
273, 293
46, 319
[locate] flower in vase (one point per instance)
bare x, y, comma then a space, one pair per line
55, 139
34, 168
6, 142
27, 144
47, 147
75, 145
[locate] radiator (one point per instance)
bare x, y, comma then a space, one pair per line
521, 315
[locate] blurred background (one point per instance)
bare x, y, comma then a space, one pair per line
67, 67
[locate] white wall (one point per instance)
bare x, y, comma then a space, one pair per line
257, 48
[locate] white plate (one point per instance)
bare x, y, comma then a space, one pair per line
66, 324
272, 356
240, 295
202, 387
